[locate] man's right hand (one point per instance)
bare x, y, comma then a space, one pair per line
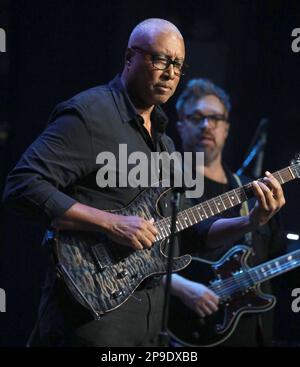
132, 231
196, 296
200, 299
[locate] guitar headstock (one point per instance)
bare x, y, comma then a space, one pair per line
295, 165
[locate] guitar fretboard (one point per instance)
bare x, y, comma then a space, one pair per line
219, 204
275, 267
244, 279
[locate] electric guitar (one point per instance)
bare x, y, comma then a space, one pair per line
102, 274
238, 287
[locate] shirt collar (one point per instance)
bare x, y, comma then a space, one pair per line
127, 110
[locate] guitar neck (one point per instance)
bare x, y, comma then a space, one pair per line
275, 267
219, 204
247, 278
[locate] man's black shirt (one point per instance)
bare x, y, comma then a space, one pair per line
60, 167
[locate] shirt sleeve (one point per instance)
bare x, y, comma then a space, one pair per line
60, 156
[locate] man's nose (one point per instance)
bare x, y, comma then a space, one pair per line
170, 71
205, 123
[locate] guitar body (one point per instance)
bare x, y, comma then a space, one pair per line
102, 274
189, 329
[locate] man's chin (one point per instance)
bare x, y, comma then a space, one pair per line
161, 98
205, 146
208, 150
209, 156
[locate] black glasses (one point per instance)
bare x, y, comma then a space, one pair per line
212, 120
162, 62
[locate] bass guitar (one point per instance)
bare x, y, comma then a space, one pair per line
238, 287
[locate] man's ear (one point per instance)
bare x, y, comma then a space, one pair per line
128, 56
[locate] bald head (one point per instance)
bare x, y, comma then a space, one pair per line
153, 62
150, 28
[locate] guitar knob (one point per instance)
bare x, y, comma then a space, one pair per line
122, 274
116, 294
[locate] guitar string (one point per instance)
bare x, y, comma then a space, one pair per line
284, 175
243, 278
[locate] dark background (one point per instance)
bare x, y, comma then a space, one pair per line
56, 49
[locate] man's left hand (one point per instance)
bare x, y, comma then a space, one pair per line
270, 199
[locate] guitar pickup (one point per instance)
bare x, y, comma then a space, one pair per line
101, 257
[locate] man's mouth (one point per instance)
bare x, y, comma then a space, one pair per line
206, 141
163, 87
207, 138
